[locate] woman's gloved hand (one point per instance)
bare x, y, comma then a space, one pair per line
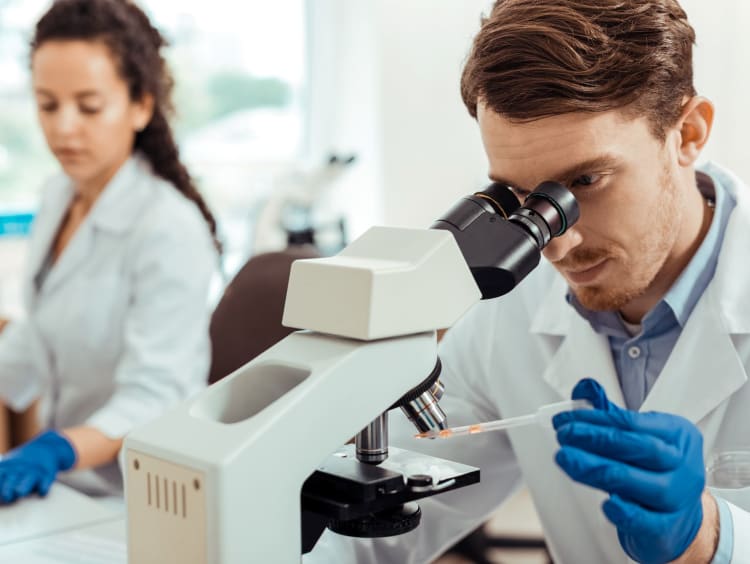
33, 467
651, 464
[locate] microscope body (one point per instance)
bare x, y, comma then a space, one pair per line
220, 478
240, 472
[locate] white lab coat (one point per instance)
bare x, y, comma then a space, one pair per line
119, 330
511, 355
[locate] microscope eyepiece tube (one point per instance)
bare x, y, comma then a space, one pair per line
547, 212
502, 240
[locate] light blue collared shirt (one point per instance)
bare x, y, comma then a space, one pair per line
640, 358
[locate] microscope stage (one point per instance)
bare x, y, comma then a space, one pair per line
344, 488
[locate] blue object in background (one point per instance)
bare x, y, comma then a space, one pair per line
33, 467
15, 224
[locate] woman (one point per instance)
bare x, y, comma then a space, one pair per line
120, 259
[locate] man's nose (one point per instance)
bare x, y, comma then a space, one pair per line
561, 246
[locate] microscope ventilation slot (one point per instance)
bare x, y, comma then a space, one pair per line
166, 495
169, 499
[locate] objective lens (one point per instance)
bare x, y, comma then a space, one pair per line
424, 411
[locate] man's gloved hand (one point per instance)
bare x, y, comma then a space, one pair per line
651, 464
33, 466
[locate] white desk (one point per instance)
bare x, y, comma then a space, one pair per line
64, 527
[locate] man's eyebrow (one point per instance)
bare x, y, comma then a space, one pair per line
596, 164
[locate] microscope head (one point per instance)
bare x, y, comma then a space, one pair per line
363, 292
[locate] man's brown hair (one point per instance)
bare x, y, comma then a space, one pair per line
539, 58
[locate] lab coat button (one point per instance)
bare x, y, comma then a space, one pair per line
634, 352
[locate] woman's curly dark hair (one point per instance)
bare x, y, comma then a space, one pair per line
135, 45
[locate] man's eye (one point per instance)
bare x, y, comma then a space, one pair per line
586, 180
89, 110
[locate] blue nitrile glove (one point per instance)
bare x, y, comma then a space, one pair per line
651, 464
33, 466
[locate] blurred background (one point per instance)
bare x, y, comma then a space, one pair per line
267, 92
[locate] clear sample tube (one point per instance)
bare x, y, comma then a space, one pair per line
542, 416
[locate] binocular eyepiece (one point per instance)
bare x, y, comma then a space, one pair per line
501, 239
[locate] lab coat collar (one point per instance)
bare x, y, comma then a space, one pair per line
124, 198
57, 197
116, 210
555, 315
729, 286
582, 353
704, 368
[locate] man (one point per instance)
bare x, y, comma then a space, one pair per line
645, 294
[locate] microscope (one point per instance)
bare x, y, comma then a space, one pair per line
253, 468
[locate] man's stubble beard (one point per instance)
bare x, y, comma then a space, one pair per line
644, 265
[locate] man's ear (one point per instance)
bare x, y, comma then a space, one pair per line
143, 110
694, 127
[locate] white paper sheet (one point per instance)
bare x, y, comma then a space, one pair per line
63, 509
97, 544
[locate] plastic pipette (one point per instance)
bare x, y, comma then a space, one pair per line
542, 416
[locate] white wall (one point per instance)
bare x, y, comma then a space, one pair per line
385, 79
432, 153
344, 107
722, 73
390, 91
